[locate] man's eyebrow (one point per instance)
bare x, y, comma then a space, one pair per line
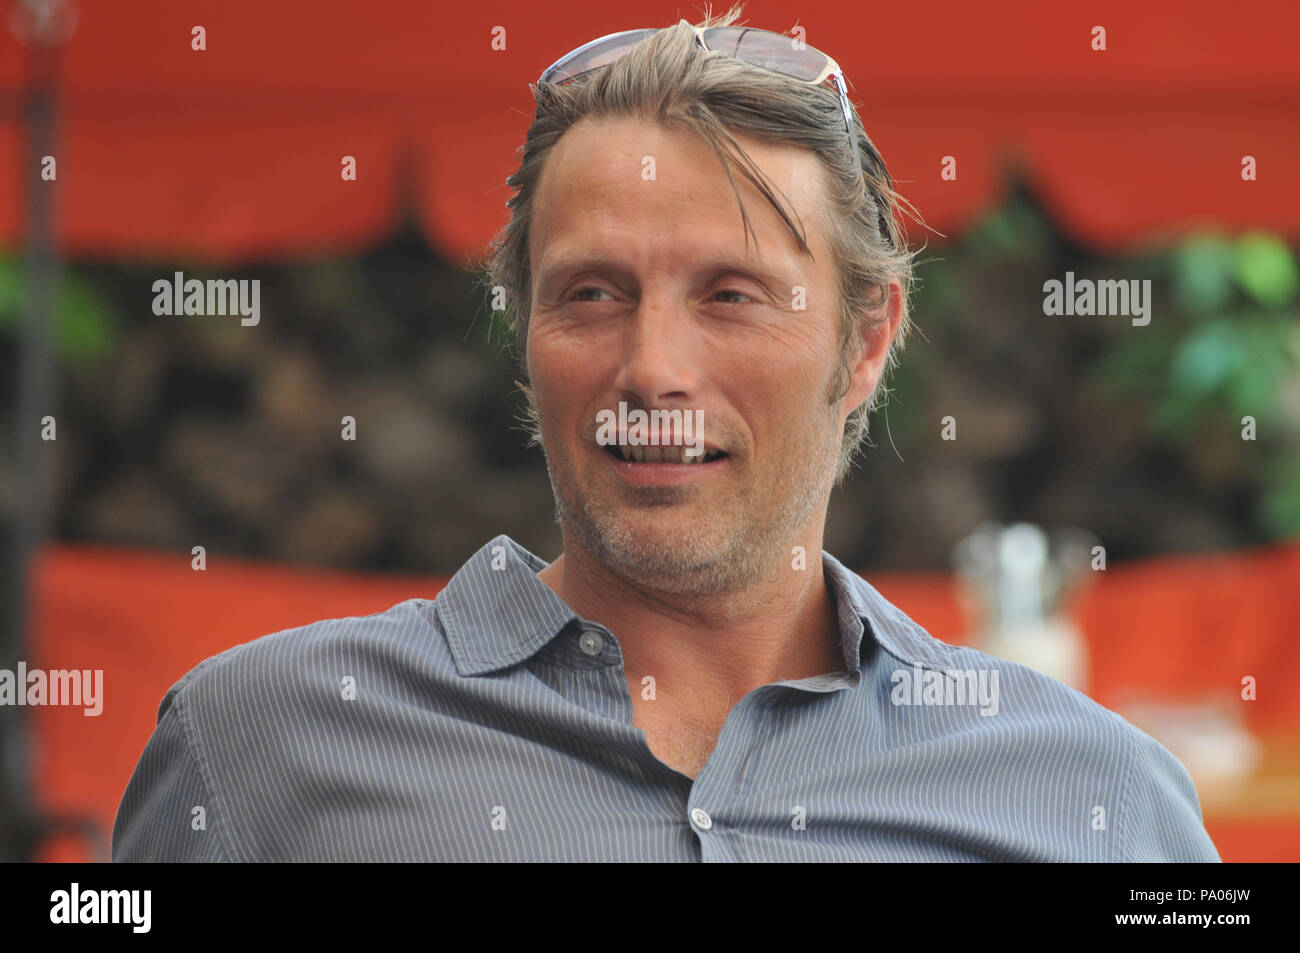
565, 263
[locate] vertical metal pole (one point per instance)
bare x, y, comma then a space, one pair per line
20, 828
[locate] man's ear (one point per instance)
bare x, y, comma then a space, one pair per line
873, 347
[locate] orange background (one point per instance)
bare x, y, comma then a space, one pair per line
234, 153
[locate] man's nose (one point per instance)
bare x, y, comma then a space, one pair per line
660, 354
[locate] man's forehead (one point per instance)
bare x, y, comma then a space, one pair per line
604, 177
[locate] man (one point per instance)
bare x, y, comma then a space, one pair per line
687, 681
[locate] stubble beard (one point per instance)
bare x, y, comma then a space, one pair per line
725, 550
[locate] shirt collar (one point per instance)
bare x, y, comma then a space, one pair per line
862, 610
497, 612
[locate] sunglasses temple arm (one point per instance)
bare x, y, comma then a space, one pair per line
848, 117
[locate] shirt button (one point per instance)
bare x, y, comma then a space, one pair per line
591, 643
701, 819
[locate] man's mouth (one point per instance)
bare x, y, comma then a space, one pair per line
662, 454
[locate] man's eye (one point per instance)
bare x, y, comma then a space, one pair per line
577, 295
585, 294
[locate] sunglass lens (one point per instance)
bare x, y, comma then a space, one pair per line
594, 55
769, 50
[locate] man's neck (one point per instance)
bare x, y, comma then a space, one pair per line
716, 645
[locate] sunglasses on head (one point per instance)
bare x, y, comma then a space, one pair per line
762, 48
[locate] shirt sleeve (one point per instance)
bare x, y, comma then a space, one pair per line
168, 812
1162, 821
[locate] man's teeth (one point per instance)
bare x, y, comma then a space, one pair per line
670, 454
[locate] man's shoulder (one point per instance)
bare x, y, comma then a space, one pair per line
1046, 736
290, 660
1022, 694
1015, 711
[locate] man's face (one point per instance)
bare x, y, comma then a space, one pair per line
644, 292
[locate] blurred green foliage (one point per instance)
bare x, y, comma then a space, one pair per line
85, 323
1229, 350
1223, 344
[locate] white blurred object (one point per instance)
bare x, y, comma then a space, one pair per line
43, 22
1015, 579
1211, 740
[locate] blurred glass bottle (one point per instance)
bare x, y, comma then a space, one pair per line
1015, 581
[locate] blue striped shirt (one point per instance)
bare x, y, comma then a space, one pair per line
494, 724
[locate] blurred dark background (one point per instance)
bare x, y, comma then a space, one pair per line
176, 431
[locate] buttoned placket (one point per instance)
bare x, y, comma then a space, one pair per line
719, 782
